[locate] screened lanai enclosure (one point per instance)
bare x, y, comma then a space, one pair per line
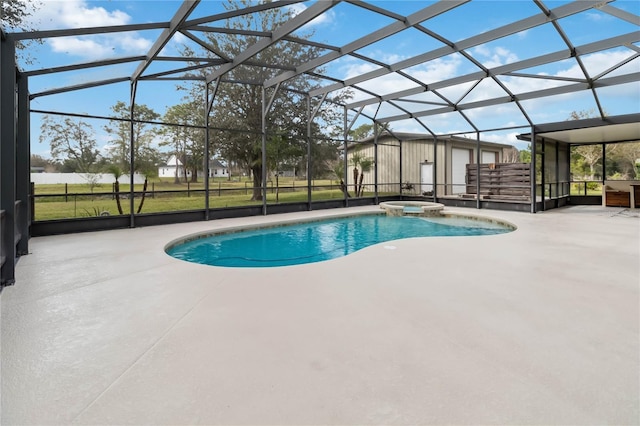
228, 109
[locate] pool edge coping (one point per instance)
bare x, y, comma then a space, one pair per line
284, 222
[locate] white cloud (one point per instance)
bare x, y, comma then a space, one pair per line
597, 63
494, 57
353, 69
86, 48
598, 17
133, 44
175, 45
81, 14
593, 17
505, 138
436, 70
482, 50
76, 14
326, 18
103, 46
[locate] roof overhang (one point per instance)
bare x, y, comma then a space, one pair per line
617, 129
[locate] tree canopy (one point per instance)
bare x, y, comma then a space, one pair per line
622, 159
237, 110
15, 13
145, 154
185, 141
72, 142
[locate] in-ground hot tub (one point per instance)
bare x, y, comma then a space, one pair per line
412, 208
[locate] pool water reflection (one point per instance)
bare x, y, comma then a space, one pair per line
321, 240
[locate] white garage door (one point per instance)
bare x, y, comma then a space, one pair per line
459, 161
489, 157
426, 177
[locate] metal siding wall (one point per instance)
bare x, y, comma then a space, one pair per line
414, 154
388, 167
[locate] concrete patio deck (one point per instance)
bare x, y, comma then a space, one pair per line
537, 326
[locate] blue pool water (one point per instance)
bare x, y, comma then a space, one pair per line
322, 240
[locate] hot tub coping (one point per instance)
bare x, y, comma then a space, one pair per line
397, 208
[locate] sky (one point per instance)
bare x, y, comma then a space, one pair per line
339, 26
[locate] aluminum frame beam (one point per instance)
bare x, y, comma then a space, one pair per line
240, 12
621, 14
8, 158
85, 65
178, 19
23, 161
506, 30
298, 21
394, 28
603, 82
70, 32
79, 87
560, 55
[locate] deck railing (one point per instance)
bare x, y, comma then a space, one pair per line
586, 187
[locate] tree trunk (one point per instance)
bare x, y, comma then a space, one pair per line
360, 186
256, 171
344, 190
194, 175
355, 181
117, 190
144, 193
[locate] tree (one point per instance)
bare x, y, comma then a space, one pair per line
590, 154
282, 153
510, 155
45, 163
628, 157
238, 105
337, 168
116, 172
146, 156
14, 15
525, 154
361, 165
323, 154
71, 141
361, 132
186, 142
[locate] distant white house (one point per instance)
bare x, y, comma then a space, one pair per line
174, 166
217, 169
171, 168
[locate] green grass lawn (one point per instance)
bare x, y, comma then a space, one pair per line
593, 188
166, 184
72, 201
86, 205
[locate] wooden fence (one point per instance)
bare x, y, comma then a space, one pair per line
500, 180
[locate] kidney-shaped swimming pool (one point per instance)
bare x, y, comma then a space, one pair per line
316, 241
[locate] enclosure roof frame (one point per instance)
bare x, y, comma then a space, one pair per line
212, 66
